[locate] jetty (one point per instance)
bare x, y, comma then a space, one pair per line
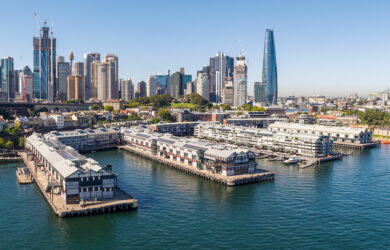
258, 176
121, 201
24, 176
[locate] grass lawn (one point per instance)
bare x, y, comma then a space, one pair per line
183, 105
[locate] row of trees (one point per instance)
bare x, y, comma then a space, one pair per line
12, 137
371, 117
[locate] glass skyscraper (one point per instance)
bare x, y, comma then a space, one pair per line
44, 86
6, 78
270, 74
221, 68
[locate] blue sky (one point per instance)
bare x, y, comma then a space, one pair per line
323, 47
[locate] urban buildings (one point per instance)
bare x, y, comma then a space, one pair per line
63, 71
141, 90
26, 84
260, 94
270, 74
229, 94
175, 85
89, 58
221, 67
151, 86
127, 89
219, 159
203, 85
76, 87
340, 135
44, 65
7, 79
240, 82
78, 69
104, 86
294, 143
78, 177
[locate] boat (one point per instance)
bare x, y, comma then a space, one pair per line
24, 176
385, 142
291, 161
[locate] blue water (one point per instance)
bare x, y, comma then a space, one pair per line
343, 205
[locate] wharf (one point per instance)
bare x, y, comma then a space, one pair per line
120, 202
7, 159
356, 145
259, 176
304, 162
24, 176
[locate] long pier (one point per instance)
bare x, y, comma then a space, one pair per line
120, 202
259, 176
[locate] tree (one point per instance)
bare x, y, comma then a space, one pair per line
226, 107
165, 115
95, 107
257, 108
21, 142
133, 117
109, 108
155, 120
2, 142
9, 144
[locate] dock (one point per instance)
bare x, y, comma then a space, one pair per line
259, 176
356, 145
304, 162
24, 176
120, 202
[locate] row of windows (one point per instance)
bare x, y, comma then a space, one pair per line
89, 189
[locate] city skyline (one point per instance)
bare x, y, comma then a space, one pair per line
321, 45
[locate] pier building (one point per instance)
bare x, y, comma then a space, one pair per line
73, 175
302, 144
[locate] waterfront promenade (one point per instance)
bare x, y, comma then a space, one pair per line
121, 200
259, 176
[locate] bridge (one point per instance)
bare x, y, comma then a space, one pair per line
23, 108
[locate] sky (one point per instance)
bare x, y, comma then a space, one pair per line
333, 47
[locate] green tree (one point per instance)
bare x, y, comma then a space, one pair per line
226, 107
2, 142
155, 120
166, 116
95, 107
257, 108
21, 142
108, 108
9, 144
133, 117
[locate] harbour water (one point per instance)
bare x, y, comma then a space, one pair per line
343, 204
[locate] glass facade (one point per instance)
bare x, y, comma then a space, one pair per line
270, 75
6, 78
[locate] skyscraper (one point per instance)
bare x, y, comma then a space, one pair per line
107, 87
127, 89
63, 71
175, 85
228, 92
151, 86
141, 89
270, 75
259, 91
221, 67
26, 84
6, 79
75, 87
240, 82
88, 59
44, 65
203, 85
78, 69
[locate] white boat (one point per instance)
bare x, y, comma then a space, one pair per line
291, 160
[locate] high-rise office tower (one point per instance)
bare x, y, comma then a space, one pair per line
259, 91
240, 82
141, 89
127, 89
221, 67
163, 82
78, 69
190, 88
44, 65
89, 58
26, 84
93, 94
228, 92
75, 87
203, 85
175, 85
63, 71
270, 74
6, 79
151, 86
112, 58
107, 86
